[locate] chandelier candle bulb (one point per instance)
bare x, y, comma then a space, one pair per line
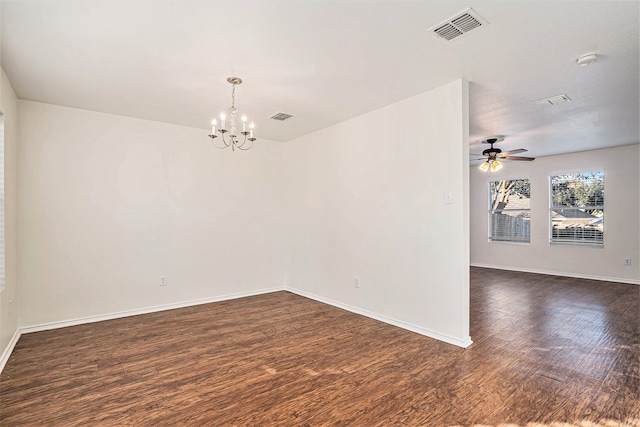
213, 126
251, 130
222, 118
244, 123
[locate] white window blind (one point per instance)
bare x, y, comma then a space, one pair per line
510, 210
576, 214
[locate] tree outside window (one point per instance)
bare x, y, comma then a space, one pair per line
510, 210
576, 214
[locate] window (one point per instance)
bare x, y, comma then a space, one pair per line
576, 214
509, 211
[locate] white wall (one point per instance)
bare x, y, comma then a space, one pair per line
108, 204
365, 199
9, 298
620, 224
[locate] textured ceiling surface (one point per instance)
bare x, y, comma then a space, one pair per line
328, 61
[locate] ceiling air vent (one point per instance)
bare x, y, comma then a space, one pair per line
554, 100
281, 116
458, 25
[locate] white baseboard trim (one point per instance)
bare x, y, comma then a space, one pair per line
146, 310
558, 273
464, 343
9, 349
116, 315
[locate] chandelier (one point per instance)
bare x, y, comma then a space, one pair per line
233, 139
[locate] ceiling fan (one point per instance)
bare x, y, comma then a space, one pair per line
491, 155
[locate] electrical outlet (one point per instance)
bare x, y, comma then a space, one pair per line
163, 280
357, 282
627, 261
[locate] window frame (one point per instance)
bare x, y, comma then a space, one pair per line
491, 235
576, 242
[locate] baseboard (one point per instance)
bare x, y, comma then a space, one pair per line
9, 349
559, 273
116, 315
404, 325
146, 310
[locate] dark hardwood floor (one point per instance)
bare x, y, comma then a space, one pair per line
548, 351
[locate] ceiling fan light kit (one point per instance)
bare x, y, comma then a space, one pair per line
492, 154
492, 165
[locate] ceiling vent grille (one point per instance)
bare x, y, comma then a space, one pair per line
458, 25
281, 116
554, 100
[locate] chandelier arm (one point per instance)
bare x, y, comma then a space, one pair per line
217, 146
250, 139
244, 141
224, 141
221, 148
245, 149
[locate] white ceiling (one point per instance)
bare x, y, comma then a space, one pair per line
328, 61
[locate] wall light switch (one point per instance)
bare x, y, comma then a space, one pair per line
448, 197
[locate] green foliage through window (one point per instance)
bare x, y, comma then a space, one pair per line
577, 208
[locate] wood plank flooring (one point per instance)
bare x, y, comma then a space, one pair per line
548, 351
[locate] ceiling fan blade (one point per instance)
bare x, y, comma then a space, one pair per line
519, 158
516, 151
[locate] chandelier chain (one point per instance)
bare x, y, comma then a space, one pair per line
233, 96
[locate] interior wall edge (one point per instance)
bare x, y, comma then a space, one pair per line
362, 206
6, 354
558, 273
460, 342
10, 297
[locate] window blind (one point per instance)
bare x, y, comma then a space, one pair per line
576, 214
510, 211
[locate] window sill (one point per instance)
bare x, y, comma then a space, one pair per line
578, 245
509, 242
